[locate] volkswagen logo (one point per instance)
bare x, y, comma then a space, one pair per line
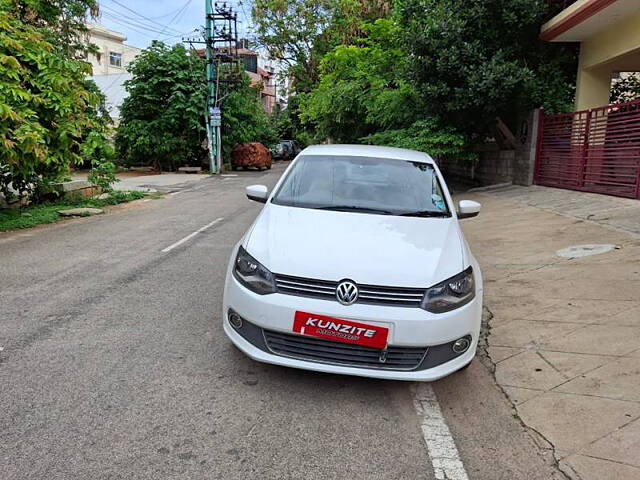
347, 292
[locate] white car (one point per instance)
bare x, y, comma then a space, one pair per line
357, 265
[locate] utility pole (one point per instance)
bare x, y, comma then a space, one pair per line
212, 135
223, 70
221, 33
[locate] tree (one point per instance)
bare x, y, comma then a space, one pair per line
243, 118
363, 88
288, 124
44, 107
475, 60
364, 95
162, 119
298, 33
626, 89
62, 22
290, 31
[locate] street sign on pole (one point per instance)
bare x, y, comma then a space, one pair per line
216, 117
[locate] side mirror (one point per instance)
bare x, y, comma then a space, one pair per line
257, 193
468, 209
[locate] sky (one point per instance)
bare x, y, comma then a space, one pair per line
169, 20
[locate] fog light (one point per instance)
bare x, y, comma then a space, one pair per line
235, 320
461, 345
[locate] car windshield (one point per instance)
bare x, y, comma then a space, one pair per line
363, 184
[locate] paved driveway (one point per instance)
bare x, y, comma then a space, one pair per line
565, 331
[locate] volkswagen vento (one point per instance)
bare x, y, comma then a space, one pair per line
357, 265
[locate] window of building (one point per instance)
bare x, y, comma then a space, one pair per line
250, 63
115, 59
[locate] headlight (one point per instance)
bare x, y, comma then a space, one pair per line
252, 274
450, 294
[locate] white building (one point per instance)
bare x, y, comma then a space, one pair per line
113, 54
113, 88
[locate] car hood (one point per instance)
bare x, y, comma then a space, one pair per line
368, 249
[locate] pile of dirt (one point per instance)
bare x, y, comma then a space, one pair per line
251, 155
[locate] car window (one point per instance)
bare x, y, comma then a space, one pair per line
388, 186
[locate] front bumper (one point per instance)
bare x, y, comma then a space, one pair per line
408, 327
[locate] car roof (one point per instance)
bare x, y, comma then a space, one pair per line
368, 151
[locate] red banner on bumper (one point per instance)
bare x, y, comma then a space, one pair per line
339, 330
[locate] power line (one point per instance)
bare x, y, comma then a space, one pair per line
180, 34
138, 14
121, 22
179, 14
244, 12
166, 14
130, 20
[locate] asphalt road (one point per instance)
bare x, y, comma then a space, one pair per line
114, 365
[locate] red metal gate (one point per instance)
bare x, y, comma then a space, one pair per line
596, 150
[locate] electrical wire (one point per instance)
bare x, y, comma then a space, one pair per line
138, 14
247, 19
131, 20
149, 33
178, 15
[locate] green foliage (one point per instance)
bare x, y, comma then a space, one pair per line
44, 108
103, 175
162, 119
435, 74
626, 89
362, 88
62, 22
475, 60
96, 146
298, 33
244, 120
288, 124
290, 31
27, 217
427, 136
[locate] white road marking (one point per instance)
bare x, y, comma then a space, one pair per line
191, 235
442, 449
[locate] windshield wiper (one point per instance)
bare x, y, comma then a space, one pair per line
425, 213
353, 208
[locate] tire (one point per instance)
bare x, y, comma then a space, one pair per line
268, 167
234, 167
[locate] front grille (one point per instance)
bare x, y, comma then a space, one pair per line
371, 294
336, 353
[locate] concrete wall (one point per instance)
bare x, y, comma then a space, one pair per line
495, 166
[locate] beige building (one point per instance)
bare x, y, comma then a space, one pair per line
113, 54
609, 35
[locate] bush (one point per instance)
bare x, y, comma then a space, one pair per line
103, 176
44, 107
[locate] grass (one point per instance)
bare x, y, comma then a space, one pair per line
32, 215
